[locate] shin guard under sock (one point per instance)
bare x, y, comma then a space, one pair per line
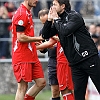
58, 98
27, 97
68, 96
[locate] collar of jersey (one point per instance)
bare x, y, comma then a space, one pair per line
25, 8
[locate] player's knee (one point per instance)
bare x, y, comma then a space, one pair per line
55, 91
41, 83
55, 94
22, 86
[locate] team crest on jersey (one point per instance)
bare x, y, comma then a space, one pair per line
20, 22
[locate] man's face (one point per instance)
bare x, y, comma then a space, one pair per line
32, 3
43, 18
59, 8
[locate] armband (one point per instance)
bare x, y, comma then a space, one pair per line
20, 28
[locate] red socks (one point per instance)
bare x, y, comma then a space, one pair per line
68, 96
27, 97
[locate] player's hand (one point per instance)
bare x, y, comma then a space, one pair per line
38, 43
40, 37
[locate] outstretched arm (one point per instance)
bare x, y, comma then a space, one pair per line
24, 38
46, 44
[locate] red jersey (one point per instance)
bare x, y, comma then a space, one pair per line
23, 52
60, 54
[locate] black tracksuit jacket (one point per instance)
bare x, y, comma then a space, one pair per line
74, 37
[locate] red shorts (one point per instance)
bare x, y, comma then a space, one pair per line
64, 76
28, 71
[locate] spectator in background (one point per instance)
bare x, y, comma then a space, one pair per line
4, 33
92, 29
87, 8
98, 29
10, 8
93, 33
78, 5
95, 38
99, 47
41, 5
36, 9
97, 8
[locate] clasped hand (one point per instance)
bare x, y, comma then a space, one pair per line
52, 14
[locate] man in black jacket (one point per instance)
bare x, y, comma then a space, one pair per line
78, 46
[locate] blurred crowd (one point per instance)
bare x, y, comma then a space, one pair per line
87, 7
94, 30
84, 7
7, 10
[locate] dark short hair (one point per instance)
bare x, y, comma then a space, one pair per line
67, 4
43, 12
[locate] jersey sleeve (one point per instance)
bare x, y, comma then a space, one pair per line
21, 19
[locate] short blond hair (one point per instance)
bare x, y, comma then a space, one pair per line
43, 12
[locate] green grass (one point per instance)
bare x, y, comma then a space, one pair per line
7, 97
43, 95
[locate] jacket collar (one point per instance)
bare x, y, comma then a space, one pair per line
63, 14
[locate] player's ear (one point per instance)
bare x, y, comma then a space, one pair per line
63, 6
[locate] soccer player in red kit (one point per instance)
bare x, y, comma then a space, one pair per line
63, 69
26, 64
64, 75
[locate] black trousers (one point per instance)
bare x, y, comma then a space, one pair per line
80, 74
